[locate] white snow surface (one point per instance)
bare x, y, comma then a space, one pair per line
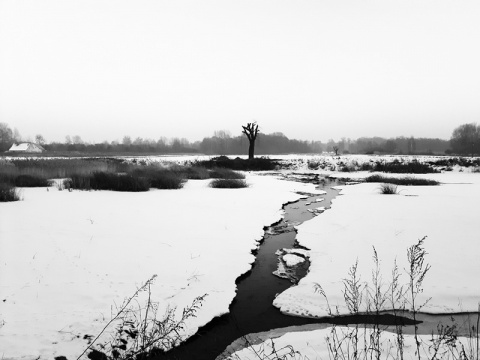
65, 258
361, 218
313, 344
68, 258
292, 260
302, 252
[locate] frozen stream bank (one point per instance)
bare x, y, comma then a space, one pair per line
252, 310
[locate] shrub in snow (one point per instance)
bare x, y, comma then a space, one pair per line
228, 184
410, 167
31, 181
109, 181
256, 164
408, 180
388, 189
195, 172
166, 180
160, 178
8, 193
222, 173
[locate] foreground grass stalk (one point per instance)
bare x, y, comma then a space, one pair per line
353, 298
149, 304
397, 297
417, 271
122, 309
139, 333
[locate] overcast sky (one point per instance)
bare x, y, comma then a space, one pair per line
313, 70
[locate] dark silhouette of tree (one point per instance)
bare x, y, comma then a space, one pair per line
412, 146
390, 146
127, 141
466, 139
335, 149
39, 139
6, 137
251, 132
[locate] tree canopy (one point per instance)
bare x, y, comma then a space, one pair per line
465, 139
6, 137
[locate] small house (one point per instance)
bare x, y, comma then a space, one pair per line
27, 147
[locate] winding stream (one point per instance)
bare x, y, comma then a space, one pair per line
251, 310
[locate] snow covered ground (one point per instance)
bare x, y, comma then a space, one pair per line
313, 344
67, 258
363, 218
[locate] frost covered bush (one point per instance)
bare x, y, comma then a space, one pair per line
452, 161
228, 184
313, 164
399, 167
348, 167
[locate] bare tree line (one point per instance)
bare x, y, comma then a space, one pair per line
465, 140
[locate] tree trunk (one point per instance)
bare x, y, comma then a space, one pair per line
251, 150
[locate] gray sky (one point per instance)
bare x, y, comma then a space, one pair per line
318, 69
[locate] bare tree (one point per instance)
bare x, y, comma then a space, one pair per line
466, 139
16, 136
6, 137
39, 139
127, 141
222, 138
335, 149
76, 139
251, 131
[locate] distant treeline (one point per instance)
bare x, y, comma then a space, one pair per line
278, 143
147, 146
398, 145
465, 140
266, 144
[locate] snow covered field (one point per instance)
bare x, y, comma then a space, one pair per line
362, 218
66, 258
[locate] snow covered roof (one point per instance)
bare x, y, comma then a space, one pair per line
26, 147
